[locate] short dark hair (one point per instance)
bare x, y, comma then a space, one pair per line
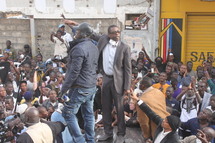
158, 58
163, 73
23, 81
27, 46
7, 83
189, 62
174, 80
111, 26
146, 81
168, 66
9, 98
39, 55
8, 41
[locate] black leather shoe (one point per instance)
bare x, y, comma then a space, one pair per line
105, 137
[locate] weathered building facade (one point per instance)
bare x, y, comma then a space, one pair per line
36, 24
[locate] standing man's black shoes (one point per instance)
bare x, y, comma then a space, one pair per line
105, 137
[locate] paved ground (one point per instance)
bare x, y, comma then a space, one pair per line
133, 135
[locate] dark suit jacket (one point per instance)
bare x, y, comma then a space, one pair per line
122, 64
172, 137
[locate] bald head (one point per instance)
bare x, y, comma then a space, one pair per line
43, 113
209, 132
32, 116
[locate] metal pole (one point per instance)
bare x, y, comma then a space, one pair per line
156, 28
33, 41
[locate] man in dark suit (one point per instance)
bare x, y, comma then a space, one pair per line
115, 64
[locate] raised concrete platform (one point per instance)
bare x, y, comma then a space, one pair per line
133, 135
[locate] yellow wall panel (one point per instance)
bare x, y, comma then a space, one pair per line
198, 26
170, 5
200, 41
186, 6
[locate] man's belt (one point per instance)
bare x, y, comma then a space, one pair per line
109, 76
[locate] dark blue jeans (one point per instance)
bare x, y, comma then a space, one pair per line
80, 98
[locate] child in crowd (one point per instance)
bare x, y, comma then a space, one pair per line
212, 104
172, 103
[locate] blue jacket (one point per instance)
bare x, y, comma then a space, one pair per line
82, 65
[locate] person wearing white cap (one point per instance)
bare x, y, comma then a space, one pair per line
21, 108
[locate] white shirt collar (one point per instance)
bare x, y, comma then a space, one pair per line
161, 136
113, 43
165, 133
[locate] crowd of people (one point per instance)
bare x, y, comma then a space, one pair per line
59, 99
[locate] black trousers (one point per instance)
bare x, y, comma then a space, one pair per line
110, 96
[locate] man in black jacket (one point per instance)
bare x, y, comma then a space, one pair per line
166, 131
80, 81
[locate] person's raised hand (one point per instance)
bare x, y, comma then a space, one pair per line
62, 15
205, 67
211, 58
53, 34
127, 92
149, 141
36, 68
143, 48
62, 65
70, 22
193, 82
11, 63
137, 80
134, 95
185, 73
201, 136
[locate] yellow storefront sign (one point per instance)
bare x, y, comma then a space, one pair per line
197, 40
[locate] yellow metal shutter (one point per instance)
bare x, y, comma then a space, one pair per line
200, 38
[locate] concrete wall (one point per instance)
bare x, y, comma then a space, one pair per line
92, 11
44, 27
16, 30
19, 32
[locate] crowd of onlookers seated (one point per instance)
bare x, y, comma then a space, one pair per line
189, 94
28, 81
